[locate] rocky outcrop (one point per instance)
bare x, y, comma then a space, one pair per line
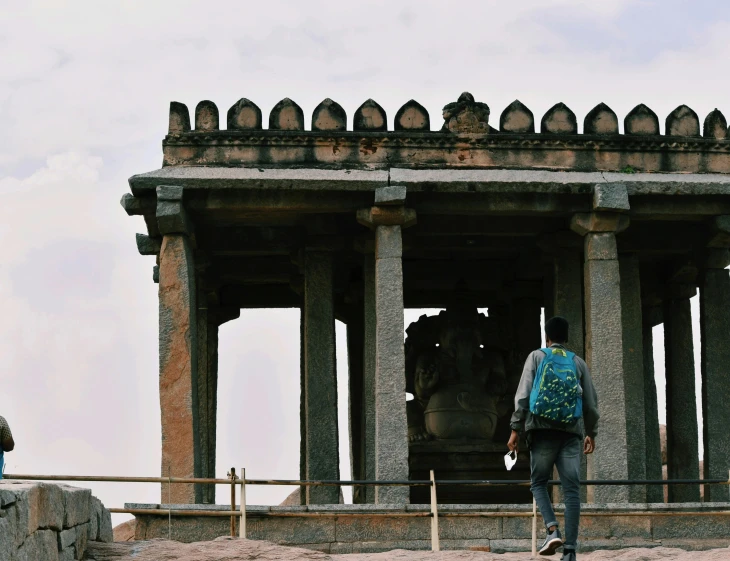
124, 532
41, 521
234, 549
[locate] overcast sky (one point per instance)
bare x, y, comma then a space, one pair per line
84, 94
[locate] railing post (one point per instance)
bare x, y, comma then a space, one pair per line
534, 527
232, 477
435, 543
242, 523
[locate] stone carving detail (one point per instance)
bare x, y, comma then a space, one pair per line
715, 126
683, 122
412, 116
286, 116
517, 119
179, 118
370, 117
206, 116
601, 120
559, 120
466, 116
244, 115
455, 372
641, 121
329, 116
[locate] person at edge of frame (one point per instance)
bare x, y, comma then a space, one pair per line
7, 444
556, 444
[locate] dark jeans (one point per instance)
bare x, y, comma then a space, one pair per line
550, 448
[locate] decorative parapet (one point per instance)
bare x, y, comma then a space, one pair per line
466, 138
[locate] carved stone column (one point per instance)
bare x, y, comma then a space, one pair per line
604, 334
210, 318
682, 434
391, 426
633, 367
320, 371
652, 441
715, 337
181, 446
369, 357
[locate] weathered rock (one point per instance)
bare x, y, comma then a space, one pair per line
370, 117
124, 532
39, 546
715, 126
466, 115
329, 116
206, 116
179, 118
683, 122
517, 118
601, 120
286, 115
233, 549
412, 116
641, 121
244, 115
77, 505
559, 119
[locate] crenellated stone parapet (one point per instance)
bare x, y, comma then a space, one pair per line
466, 139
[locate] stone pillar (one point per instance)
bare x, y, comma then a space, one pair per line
682, 433
368, 410
302, 405
633, 367
526, 332
391, 425
715, 337
320, 384
568, 303
604, 334
181, 455
210, 318
652, 442
355, 358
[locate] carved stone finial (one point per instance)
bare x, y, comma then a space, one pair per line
641, 121
559, 119
244, 115
370, 117
715, 126
683, 122
601, 120
179, 118
286, 116
466, 116
517, 118
206, 116
412, 116
329, 116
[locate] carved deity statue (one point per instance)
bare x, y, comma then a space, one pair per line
455, 369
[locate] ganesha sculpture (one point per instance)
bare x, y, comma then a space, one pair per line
455, 369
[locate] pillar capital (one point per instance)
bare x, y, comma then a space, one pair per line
386, 216
610, 197
172, 218
585, 223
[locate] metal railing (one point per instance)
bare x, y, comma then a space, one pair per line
241, 514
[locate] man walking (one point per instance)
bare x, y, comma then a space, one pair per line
556, 405
6, 442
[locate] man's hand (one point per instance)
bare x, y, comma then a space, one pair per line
513, 441
589, 445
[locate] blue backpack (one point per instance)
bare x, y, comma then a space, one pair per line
556, 393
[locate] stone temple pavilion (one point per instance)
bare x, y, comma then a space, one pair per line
357, 220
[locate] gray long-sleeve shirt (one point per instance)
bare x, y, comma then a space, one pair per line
524, 421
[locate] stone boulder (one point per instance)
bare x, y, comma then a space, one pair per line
43, 521
124, 532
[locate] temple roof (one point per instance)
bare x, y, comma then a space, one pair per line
467, 138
